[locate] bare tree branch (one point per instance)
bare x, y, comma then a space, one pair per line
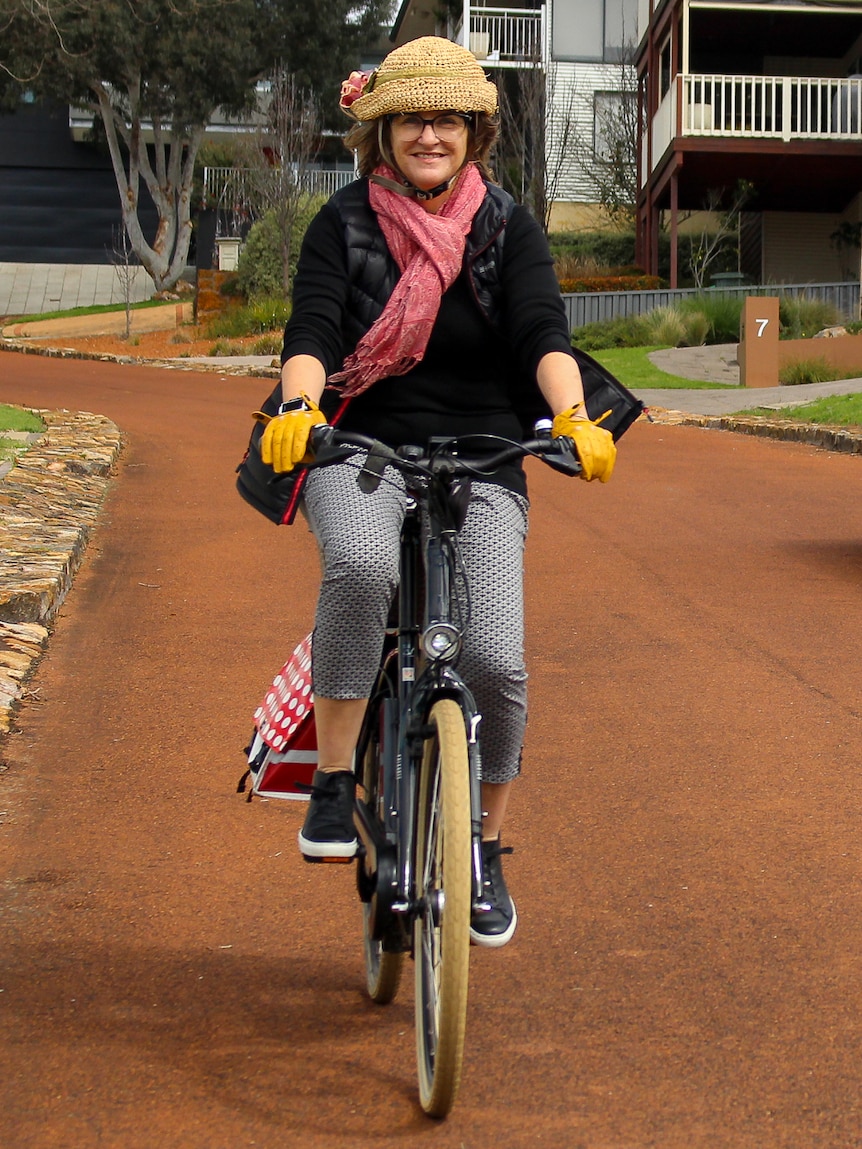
712, 241
278, 160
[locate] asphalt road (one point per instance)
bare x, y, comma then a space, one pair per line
686, 974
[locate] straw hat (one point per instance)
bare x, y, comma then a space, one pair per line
429, 74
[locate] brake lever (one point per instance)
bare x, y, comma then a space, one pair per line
371, 472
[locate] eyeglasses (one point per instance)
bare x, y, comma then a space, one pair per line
448, 126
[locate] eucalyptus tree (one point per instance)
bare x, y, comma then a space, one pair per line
153, 73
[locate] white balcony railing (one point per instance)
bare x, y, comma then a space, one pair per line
757, 107
226, 187
505, 37
772, 107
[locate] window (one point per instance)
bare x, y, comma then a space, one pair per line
614, 125
594, 30
664, 70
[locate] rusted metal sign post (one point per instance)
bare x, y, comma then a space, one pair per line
758, 342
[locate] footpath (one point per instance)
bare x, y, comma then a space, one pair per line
50, 498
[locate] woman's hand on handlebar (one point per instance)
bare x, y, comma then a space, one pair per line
595, 446
285, 437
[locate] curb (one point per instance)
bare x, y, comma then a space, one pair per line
49, 503
785, 430
130, 360
834, 439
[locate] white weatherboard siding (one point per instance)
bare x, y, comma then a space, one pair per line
571, 88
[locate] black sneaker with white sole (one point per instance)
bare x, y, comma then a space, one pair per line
495, 923
327, 834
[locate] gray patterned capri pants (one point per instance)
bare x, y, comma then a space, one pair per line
358, 536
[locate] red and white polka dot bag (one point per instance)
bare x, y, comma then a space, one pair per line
283, 752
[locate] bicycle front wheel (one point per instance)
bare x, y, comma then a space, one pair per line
441, 935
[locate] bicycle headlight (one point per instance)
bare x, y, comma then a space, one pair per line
441, 642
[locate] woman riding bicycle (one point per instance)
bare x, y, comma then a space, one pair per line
425, 304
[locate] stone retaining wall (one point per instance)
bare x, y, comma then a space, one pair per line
49, 503
828, 438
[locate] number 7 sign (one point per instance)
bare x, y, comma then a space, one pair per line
758, 344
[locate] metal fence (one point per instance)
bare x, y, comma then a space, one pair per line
592, 307
227, 187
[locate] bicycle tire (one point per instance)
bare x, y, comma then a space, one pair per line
441, 939
382, 968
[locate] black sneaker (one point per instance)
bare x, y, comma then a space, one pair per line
327, 834
495, 925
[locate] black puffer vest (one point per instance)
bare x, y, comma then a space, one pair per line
373, 273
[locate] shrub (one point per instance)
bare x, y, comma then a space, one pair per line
259, 271
722, 313
815, 371
631, 331
259, 316
223, 347
268, 313
691, 324
571, 266
602, 248
697, 328
611, 283
666, 327
268, 345
801, 317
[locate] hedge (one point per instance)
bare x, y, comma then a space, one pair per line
611, 283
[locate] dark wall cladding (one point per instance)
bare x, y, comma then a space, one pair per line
35, 137
58, 199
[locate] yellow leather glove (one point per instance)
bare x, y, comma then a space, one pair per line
595, 446
285, 437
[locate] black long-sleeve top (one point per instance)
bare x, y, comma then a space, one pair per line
472, 376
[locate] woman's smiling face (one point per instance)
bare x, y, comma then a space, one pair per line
426, 160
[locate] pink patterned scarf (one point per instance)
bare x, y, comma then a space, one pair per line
429, 251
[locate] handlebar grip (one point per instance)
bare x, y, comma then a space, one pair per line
320, 436
566, 461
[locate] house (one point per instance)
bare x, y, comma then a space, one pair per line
763, 91
580, 50
59, 194
58, 197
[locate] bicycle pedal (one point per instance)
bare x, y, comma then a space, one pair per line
330, 861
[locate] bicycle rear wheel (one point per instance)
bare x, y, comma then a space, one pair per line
442, 929
382, 968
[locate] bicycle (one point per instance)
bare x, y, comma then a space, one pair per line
418, 811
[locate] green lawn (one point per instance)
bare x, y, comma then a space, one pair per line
95, 309
632, 367
16, 419
833, 411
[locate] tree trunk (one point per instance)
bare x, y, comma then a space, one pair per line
169, 185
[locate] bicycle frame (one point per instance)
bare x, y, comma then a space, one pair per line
410, 685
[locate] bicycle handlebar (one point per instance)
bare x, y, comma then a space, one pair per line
331, 445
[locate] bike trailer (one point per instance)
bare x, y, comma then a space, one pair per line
283, 753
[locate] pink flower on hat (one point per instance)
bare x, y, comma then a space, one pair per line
352, 88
